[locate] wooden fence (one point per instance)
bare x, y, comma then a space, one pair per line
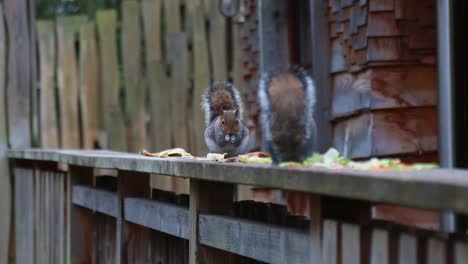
74, 215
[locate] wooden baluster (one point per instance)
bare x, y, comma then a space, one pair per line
80, 219
208, 198
133, 241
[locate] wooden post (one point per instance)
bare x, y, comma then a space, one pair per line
80, 227
320, 70
315, 230
133, 241
134, 86
208, 198
111, 113
48, 114
89, 85
5, 185
24, 211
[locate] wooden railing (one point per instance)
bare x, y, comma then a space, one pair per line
65, 212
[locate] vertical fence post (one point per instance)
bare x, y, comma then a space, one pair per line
132, 240
80, 227
208, 198
315, 230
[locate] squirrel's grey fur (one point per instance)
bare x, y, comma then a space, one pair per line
273, 123
216, 138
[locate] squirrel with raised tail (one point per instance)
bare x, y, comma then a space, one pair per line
287, 101
225, 132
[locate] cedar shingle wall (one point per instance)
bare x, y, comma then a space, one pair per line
384, 79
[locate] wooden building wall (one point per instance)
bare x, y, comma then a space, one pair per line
384, 78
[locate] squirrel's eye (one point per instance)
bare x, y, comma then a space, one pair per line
222, 122
237, 121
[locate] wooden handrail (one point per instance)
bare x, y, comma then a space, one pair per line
432, 189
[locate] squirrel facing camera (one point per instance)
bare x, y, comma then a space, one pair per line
225, 132
287, 101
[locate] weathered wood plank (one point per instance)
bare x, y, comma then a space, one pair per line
379, 247
330, 242
321, 70
407, 249
19, 73
179, 92
461, 253
24, 215
134, 86
151, 13
80, 219
94, 199
67, 75
48, 112
201, 75
387, 133
90, 94
437, 189
350, 244
132, 241
173, 16
436, 251
383, 88
218, 38
315, 229
208, 198
163, 217
111, 111
381, 5
259, 241
5, 185
382, 24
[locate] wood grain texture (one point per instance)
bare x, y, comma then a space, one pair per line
461, 253
315, 229
255, 240
379, 247
201, 76
407, 249
5, 185
436, 189
436, 251
133, 241
350, 244
94, 199
381, 5
48, 106
89, 90
218, 41
67, 75
387, 133
24, 222
19, 73
207, 198
164, 217
321, 69
80, 219
177, 53
330, 242
132, 71
383, 88
111, 111
151, 13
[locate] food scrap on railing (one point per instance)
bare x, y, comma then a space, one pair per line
331, 159
175, 152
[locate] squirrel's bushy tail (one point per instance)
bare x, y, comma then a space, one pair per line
287, 101
218, 97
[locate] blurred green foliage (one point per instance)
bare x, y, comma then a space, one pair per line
53, 8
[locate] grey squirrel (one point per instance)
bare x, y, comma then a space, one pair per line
225, 132
287, 101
